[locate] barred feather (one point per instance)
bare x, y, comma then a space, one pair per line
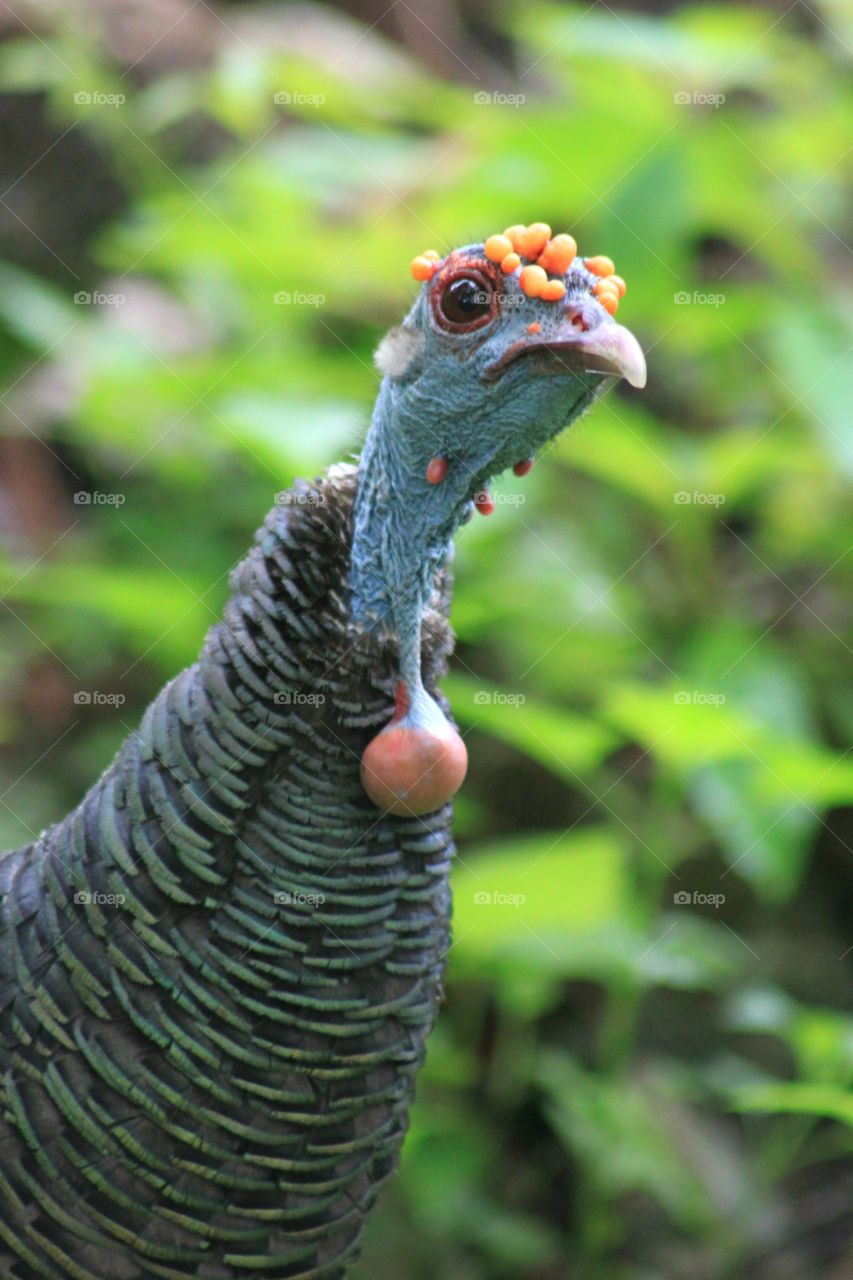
208, 1073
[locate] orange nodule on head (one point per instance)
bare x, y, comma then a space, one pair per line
599, 265
408, 770
496, 248
425, 265
608, 294
533, 280
534, 239
514, 234
421, 268
559, 254
541, 257
553, 291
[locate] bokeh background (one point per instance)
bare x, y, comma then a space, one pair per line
643, 1067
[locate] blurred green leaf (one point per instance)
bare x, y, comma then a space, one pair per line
790, 1097
616, 1128
564, 743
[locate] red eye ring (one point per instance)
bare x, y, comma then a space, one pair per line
464, 300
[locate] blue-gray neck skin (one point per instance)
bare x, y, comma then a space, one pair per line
404, 526
402, 534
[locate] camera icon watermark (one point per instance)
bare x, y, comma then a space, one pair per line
94, 698
497, 697
684, 497
684, 899
294, 898
300, 498
483, 98
696, 697
286, 98
94, 497
94, 98
696, 98
500, 299
283, 298
505, 499
296, 698
86, 298
684, 298
84, 899
483, 898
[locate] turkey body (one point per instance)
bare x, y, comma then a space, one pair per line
218, 973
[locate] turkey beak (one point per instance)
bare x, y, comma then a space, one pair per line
609, 348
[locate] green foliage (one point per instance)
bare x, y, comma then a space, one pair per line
652, 654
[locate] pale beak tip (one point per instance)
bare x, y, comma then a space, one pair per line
627, 356
635, 375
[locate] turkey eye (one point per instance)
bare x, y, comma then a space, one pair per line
466, 300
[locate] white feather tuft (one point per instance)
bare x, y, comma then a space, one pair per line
397, 350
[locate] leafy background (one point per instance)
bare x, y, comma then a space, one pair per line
624, 1085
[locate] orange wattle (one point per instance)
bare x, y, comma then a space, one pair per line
409, 770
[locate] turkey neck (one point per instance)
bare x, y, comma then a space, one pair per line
402, 531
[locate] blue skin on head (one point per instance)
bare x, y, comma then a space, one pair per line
482, 394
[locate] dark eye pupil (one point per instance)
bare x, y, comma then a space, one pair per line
465, 300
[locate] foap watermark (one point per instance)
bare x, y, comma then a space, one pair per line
294, 898
696, 698
294, 98
295, 698
698, 899
94, 698
686, 497
94, 98
698, 299
300, 498
83, 899
507, 499
484, 697
485, 899
85, 298
486, 299
483, 98
698, 98
286, 299
95, 498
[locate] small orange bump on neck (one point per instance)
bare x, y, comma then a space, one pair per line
437, 470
